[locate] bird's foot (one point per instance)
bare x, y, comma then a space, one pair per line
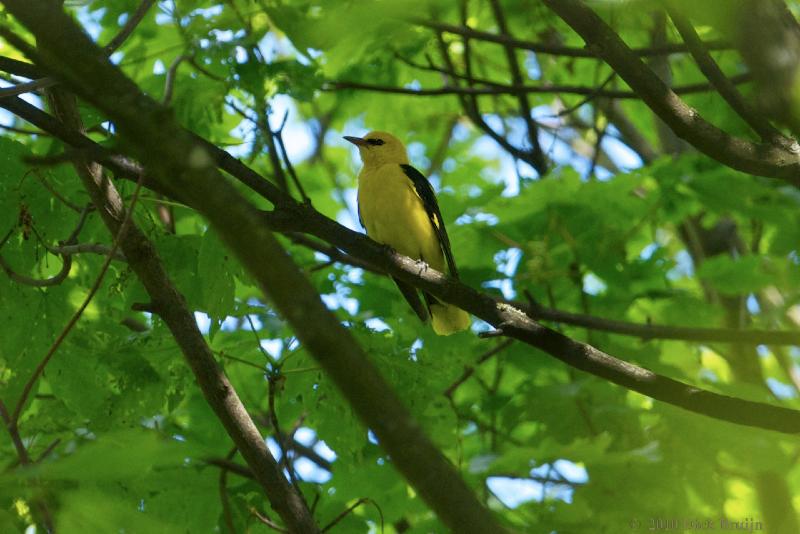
422, 266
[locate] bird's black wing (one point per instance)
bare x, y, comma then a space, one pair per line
412, 297
360, 218
425, 192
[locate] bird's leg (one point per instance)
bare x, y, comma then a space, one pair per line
422, 265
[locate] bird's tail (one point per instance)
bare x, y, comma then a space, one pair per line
446, 318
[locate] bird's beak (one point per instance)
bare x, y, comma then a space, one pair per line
356, 140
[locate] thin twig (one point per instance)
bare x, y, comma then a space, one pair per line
94, 248
169, 83
470, 104
13, 431
267, 521
272, 152
258, 338
350, 509
598, 145
223, 494
470, 369
229, 465
130, 25
50, 448
588, 98
266, 134
657, 331
285, 156
53, 191
241, 360
20, 68
58, 278
501, 89
24, 459
27, 87
558, 50
244, 471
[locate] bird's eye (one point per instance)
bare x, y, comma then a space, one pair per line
376, 142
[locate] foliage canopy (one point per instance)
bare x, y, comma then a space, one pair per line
620, 220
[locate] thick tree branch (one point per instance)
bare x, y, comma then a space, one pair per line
185, 167
20, 68
770, 160
726, 89
767, 36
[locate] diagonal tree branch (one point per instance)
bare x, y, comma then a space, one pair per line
20, 68
770, 160
711, 70
767, 35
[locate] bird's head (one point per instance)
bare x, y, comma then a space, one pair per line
379, 148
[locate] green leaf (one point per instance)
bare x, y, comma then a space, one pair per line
214, 268
738, 276
117, 456
94, 510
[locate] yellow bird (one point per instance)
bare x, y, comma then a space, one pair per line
397, 206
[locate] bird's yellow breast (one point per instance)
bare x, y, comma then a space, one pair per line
394, 214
